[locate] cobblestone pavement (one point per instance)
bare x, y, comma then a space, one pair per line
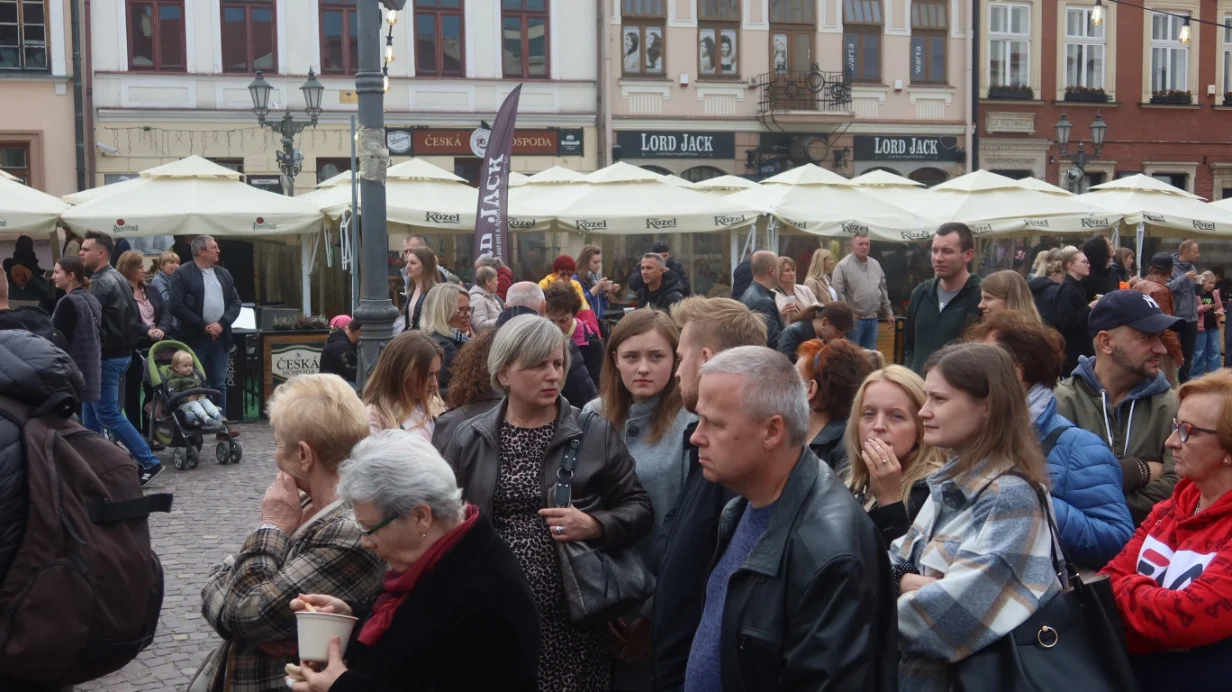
215, 509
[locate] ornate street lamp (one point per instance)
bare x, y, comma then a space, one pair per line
1099, 131
290, 161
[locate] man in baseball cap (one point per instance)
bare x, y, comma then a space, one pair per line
1121, 395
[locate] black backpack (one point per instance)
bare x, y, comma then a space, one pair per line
82, 594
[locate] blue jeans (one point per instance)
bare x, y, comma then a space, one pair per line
1206, 353
215, 356
865, 333
106, 413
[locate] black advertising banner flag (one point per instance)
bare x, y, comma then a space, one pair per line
491, 219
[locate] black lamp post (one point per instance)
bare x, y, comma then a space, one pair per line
1099, 130
290, 161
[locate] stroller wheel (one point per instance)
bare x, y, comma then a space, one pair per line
237, 452
178, 458
194, 457
222, 453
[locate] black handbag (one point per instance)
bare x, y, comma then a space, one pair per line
600, 584
1075, 642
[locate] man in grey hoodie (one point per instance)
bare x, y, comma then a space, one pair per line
1184, 285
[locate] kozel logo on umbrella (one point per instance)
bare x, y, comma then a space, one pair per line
121, 227
436, 217
916, 235
854, 228
728, 220
584, 225
1204, 225
660, 223
260, 225
1095, 223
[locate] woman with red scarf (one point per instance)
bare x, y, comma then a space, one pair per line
456, 613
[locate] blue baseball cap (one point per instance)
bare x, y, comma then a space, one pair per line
1129, 308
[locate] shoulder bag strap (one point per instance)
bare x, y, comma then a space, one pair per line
564, 476
1064, 568
1051, 440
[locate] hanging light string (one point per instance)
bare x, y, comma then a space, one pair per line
391, 18
1097, 17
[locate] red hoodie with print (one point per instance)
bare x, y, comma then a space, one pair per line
1173, 581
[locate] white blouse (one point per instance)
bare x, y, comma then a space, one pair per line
803, 294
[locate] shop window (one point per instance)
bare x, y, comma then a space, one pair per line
1226, 193
883, 168
697, 174
524, 25
1090, 180
642, 35
1084, 49
658, 169
339, 37
15, 160
439, 47
1169, 57
862, 39
23, 35
156, 35
328, 168
1179, 180
930, 32
929, 176
1009, 45
248, 36
718, 38
1012, 174
236, 165
468, 168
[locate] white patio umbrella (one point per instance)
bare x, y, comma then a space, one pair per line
626, 199
25, 210
1042, 186
543, 183
895, 189
516, 179
190, 167
1164, 210
994, 205
820, 202
724, 185
191, 197
677, 181
418, 195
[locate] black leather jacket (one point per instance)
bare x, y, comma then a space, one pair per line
794, 335
760, 300
605, 485
813, 606
122, 327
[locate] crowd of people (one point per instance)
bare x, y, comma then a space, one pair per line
722, 493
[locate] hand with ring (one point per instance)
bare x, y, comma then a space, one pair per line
571, 524
885, 474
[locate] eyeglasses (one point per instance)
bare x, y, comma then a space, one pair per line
374, 529
1185, 430
464, 311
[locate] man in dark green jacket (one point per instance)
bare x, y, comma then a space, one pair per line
943, 307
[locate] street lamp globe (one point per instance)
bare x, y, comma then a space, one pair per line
260, 92
313, 91
1064, 127
1099, 130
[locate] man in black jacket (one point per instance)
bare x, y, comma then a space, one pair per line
636, 281
759, 297
204, 300
688, 539
340, 355
122, 329
800, 594
660, 287
526, 298
943, 307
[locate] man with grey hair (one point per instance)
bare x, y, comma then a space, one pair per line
660, 287
759, 297
801, 589
204, 300
860, 282
526, 298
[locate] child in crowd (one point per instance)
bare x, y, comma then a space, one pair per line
196, 409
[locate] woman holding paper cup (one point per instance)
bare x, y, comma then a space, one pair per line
456, 612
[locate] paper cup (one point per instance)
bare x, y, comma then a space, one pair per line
316, 629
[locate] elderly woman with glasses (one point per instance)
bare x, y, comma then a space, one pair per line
1173, 581
456, 612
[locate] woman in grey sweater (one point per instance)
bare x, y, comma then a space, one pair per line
639, 396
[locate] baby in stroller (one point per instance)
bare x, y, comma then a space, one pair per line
196, 409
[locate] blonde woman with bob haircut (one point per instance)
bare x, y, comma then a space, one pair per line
889, 461
1007, 290
980, 550
402, 391
312, 547
447, 319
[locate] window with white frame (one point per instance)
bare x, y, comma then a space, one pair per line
1169, 57
1084, 50
1009, 44
1227, 54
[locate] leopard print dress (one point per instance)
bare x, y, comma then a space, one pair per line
570, 659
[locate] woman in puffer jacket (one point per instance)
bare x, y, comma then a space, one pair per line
1086, 490
486, 305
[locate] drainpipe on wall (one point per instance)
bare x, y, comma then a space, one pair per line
88, 77
604, 120
973, 79
79, 106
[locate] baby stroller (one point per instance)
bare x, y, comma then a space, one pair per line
169, 425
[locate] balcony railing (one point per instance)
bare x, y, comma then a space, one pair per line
803, 91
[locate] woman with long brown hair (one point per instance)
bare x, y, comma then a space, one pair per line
890, 462
980, 550
422, 275
1006, 290
640, 398
402, 391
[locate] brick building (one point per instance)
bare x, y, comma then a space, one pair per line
1162, 99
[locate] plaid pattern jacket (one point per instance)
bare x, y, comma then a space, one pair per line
247, 599
985, 537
